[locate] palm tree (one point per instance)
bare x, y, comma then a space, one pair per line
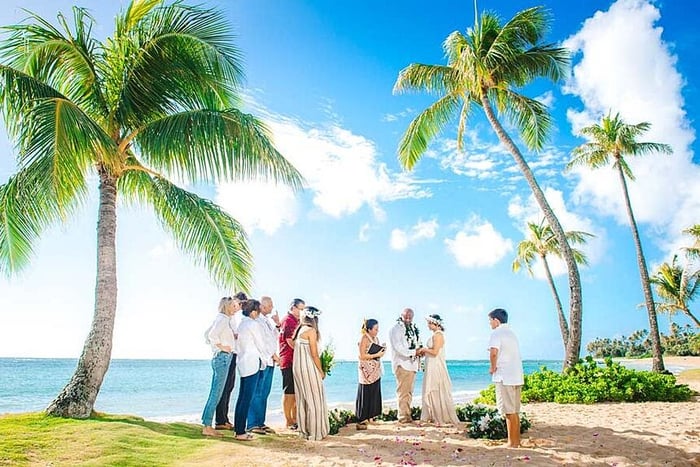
541, 243
485, 66
610, 141
158, 99
676, 286
693, 252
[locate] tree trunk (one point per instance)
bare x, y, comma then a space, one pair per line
690, 315
77, 399
657, 363
573, 348
563, 326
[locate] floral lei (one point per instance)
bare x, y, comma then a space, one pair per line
412, 334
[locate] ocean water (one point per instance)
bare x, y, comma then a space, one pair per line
170, 390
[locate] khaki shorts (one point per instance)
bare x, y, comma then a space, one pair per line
508, 398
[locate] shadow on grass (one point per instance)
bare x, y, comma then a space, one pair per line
179, 429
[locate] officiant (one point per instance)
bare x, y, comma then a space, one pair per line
369, 369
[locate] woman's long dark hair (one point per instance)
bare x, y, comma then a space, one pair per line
310, 321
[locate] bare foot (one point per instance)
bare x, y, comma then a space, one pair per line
209, 431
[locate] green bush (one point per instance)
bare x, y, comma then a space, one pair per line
587, 383
338, 418
486, 422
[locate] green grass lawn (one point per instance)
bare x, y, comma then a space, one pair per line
34, 438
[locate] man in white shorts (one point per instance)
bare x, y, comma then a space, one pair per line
506, 372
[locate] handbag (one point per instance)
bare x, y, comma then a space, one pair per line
374, 348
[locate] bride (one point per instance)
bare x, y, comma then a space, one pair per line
438, 406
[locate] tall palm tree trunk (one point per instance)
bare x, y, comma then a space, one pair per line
573, 348
657, 354
77, 399
563, 326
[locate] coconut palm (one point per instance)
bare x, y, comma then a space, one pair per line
693, 252
485, 67
610, 141
155, 101
539, 244
677, 287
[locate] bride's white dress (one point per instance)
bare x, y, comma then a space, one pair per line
438, 406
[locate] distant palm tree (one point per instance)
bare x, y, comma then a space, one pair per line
157, 100
610, 141
485, 66
693, 252
540, 243
677, 287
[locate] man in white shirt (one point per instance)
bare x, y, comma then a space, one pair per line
506, 372
269, 325
404, 339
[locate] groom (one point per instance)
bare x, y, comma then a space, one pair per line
405, 340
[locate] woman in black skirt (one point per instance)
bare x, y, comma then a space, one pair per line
369, 392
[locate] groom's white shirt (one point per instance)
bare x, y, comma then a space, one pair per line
401, 355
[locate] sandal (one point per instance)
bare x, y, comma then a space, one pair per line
268, 430
258, 430
244, 437
361, 426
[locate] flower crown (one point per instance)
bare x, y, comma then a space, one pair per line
312, 312
435, 319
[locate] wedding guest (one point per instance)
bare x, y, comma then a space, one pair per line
438, 406
368, 403
506, 372
220, 337
312, 410
269, 324
251, 348
288, 326
404, 339
222, 419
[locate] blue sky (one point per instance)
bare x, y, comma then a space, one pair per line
366, 239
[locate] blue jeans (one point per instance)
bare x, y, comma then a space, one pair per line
245, 395
258, 406
219, 364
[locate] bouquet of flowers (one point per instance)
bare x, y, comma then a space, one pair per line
327, 357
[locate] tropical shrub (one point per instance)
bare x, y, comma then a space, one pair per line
587, 383
486, 422
338, 418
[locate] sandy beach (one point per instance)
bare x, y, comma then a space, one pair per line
641, 434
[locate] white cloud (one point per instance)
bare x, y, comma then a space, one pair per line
258, 205
547, 99
398, 115
162, 250
529, 211
401, 239
478, 245
363, 236
342, 171
625, 66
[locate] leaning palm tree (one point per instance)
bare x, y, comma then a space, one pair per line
677, 287
539, 244
610, 141
485, 67
155, 101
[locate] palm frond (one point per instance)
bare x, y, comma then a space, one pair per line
530, 116
177, 58
215, 145
29, 203
434, 79
61, 58
199, 227
423, 129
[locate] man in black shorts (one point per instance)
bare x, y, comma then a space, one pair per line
288, 325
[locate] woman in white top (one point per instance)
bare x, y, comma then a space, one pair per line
250, 360
221, 339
